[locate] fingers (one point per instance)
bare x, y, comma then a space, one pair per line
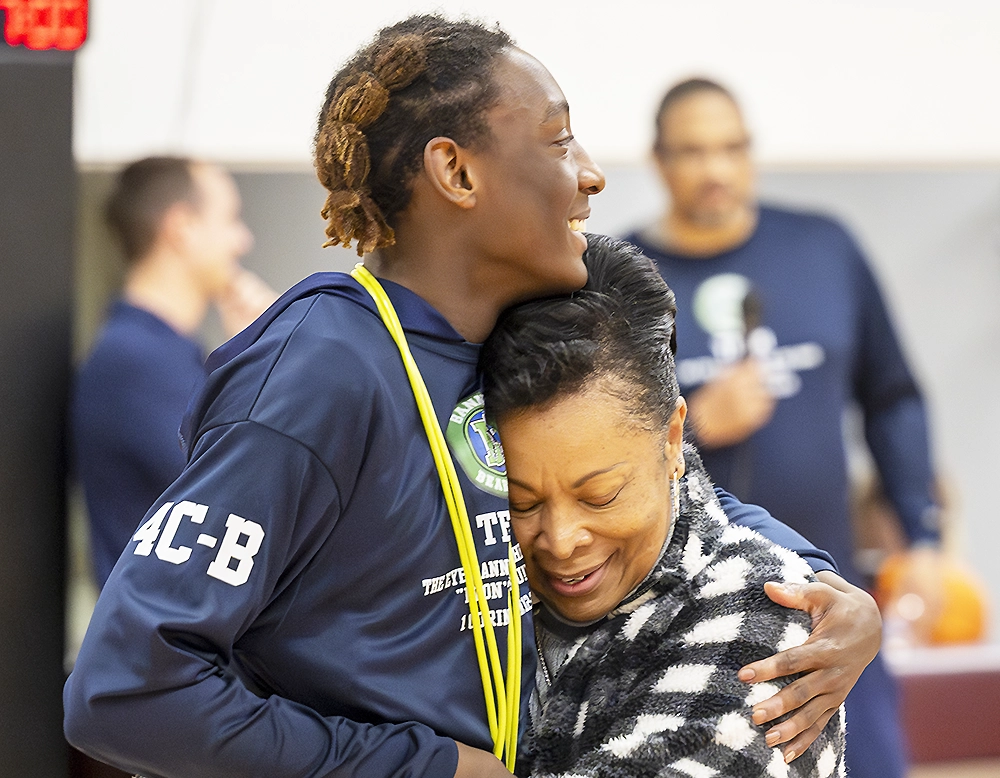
815, 599
811, 711
834, 581
917, 597
815, 655
732, 406
796, 730
808, 698
844, 639
800, 729
809, 702
246, 297
798, 744
845, 636
766, 669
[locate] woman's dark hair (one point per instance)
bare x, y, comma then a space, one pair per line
423, 77
620, 325
144, 191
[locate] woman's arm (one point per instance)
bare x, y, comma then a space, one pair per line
759, 520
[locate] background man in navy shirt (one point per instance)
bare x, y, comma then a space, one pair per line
781, 326
179, 225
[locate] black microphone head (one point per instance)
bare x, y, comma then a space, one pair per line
753, 311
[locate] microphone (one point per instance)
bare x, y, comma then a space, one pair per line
753, 311
759, 341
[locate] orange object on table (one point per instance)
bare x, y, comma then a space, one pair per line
963, 618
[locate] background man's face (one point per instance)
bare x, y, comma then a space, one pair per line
704, 159
218, 238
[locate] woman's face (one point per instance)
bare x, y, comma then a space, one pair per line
533, 181
589, 497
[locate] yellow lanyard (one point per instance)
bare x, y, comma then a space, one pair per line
503, 707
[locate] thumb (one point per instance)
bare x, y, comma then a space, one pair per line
790, 595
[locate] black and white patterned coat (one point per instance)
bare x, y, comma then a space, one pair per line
651, 690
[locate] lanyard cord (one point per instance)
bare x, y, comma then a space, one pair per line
502, 710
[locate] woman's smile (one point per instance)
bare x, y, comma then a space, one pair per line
580, 584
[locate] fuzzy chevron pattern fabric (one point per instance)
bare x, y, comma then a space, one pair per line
651, 690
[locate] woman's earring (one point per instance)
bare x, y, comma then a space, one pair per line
675, 495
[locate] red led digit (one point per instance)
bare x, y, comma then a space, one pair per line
45, 24
72, 24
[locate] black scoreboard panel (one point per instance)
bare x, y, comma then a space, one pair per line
37, 209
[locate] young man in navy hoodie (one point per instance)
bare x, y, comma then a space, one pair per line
297, 603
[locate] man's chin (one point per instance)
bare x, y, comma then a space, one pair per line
571, 279
720, 214
715, 218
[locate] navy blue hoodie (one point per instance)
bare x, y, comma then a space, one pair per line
293, 604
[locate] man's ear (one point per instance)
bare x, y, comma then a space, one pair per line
175, 225
446, 165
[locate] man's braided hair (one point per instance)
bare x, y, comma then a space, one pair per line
421, 78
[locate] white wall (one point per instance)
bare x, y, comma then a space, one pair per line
823, 81
842, 84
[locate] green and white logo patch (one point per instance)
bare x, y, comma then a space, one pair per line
475, 445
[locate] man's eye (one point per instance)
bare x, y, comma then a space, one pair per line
565, 140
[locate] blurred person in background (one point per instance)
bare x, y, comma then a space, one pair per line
179, 225
781, 326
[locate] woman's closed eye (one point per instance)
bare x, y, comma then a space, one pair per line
522, 508
602, 500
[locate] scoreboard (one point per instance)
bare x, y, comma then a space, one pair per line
44, 24
38, 181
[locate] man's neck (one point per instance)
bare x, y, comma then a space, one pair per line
165, 291
698, 240
455, 292
443, 266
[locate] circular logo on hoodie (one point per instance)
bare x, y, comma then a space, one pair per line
475, 445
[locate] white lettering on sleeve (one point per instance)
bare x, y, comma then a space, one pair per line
231, 548
149, 531
180, 554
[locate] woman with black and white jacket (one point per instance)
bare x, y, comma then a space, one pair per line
650, 602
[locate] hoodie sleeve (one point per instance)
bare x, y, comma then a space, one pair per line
154, 690
756, 518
